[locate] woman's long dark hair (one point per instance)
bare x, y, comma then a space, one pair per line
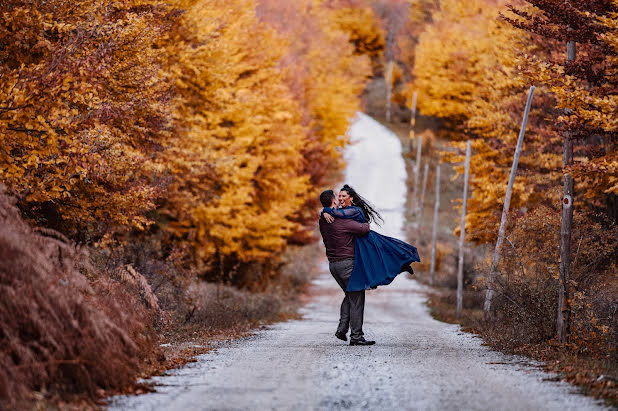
371, 213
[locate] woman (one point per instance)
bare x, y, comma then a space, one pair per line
378, 259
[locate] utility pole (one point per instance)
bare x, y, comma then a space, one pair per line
389, 53
505, 209
462, 231
563, 318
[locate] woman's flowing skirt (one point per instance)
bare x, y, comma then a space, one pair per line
378, 259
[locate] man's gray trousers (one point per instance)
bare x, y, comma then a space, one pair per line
353, 305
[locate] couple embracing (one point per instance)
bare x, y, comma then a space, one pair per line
359, 258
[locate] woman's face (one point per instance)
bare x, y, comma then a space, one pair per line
344, 199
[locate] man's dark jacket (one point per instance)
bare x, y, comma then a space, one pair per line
338, 237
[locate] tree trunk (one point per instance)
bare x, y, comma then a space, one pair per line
563, 317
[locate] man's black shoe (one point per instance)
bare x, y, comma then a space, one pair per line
341, 336
362, 342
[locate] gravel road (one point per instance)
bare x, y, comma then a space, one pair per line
418, 363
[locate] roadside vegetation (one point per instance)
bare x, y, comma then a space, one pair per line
471, 66
159, 164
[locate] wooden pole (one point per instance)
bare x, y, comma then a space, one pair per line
563, 317
413, 121
389, 89
462, 231
417, 172
507, 204
434, 234
421, 207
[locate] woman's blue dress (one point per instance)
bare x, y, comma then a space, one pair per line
378, 259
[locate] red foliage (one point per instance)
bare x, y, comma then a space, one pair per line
58, 332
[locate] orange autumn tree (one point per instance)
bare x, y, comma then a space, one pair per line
360, 22
582, 82
236, 156
599, 112
82, 106
326, 78
448, 68
457, 62
468, 77
584, 90
195, 117
473, 70
419, 18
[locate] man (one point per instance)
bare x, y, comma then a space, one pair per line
338, 238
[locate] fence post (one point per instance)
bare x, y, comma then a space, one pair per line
417, 172
505, 209
389, 91
421, 207
462, 232
434, 234
413, 121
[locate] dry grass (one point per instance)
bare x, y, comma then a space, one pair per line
214, 307
60, 333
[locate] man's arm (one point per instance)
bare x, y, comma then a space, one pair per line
350, 212
354, 227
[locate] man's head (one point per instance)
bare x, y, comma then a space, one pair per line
328, 199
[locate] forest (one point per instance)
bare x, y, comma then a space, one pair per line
160, 162
556, 288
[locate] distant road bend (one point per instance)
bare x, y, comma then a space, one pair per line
418, 363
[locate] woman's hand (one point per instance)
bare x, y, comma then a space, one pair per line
329, 218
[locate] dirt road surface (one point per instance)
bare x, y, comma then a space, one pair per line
418, 363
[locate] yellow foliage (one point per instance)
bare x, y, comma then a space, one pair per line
81, 102
587, 109
466, 73
418, 20
454, 56
195, 116
236, 160
326, 78
361, 25
473, 70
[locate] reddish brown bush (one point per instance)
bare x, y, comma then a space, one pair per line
218, 307
60, 332
528, 288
